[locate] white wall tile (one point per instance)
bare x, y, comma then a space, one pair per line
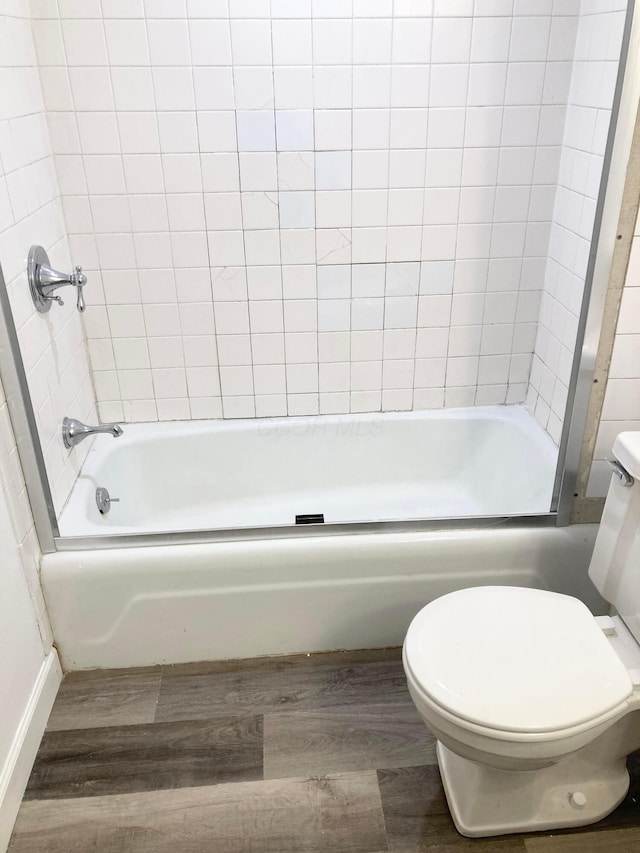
256, 130
332, 41
356, 181
53, 350
126, 42
210, 42
253, 87
333, 170
251, 42
569, 166
294, 130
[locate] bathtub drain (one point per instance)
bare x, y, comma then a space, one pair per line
104, 500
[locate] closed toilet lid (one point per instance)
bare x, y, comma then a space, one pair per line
519, 660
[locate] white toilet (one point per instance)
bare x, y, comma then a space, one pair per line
535, 702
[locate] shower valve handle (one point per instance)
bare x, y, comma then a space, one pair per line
80, 279
44, 281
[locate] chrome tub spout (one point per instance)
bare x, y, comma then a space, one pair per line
73, 431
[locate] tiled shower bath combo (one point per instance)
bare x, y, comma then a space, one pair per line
291, 208
347, 264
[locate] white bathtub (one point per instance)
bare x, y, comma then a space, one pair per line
177, 603
278, 594
350, 468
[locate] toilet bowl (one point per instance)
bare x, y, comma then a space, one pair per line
535, 702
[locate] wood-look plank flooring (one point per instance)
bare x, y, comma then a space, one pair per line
365, 738
337, 812
106, 698
125, 759
202, 691
284, 755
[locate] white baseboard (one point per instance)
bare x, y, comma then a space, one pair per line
14, 775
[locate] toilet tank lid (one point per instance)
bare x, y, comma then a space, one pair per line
515, 659
626, 449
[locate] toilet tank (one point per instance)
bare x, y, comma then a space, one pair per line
615, 564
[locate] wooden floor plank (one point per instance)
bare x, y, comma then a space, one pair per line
93, 762
205, 693
605, 841
106, 698
342, 739
340, 813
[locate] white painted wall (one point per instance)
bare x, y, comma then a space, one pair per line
29, 673
22, 650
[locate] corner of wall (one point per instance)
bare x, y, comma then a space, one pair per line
14, 773
611, 403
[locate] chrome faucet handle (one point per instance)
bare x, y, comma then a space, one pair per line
80, 279
44, 280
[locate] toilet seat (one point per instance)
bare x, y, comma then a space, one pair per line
514, 660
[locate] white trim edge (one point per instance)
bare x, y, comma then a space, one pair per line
15, 773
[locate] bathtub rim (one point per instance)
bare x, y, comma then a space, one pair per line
299, 531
